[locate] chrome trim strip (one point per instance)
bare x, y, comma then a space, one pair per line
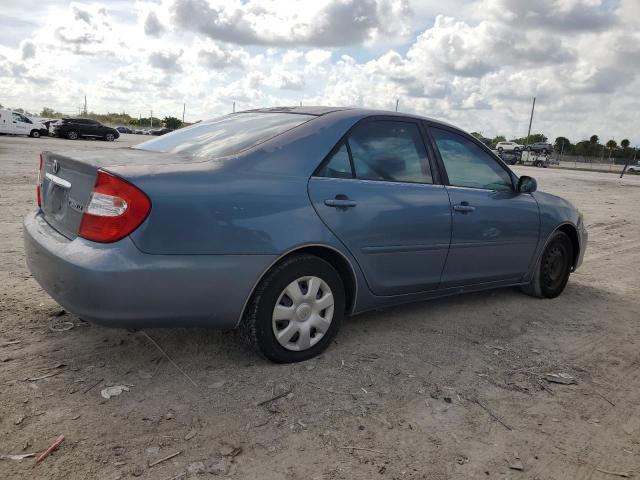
60, 182
403, 248
300, 247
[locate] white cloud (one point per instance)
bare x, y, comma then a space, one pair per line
475, 64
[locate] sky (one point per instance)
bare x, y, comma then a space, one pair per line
474, 63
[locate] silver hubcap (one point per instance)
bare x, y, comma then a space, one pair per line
303, 313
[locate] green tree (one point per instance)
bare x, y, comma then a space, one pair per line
48, 113
563, 144
625, 143
611, 144
593, 139
172, 122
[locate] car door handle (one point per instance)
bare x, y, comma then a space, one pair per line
340, 203
464, 207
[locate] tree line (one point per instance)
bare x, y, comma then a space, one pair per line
587, 148
119, 119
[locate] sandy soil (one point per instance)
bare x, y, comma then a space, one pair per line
446, 389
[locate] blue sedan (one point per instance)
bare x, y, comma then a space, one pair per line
283, 221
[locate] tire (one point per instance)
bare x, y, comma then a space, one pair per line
500, 149
260, 324
528, 149
72, 135
109, 137
35, 134
553, 268
516, 149
538, 163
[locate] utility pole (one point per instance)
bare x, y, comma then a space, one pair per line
151, 118
397, 102
85, 105
234, 107
626, 163
184, 107
140, 120
526, 142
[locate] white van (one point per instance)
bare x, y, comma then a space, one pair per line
15, 123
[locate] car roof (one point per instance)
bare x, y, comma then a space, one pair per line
320, 110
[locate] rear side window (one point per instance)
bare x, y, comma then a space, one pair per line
468, 165
338, 164
381, 150
226, 135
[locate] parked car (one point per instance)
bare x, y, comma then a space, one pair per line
123, 129
160, 131
282, 221
15, 123
49, 124
508, 147
510, 158
74, 128
634, 168
540, 147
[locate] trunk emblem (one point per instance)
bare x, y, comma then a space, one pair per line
55, 166
77, 206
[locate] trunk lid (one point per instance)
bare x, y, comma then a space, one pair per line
68, 180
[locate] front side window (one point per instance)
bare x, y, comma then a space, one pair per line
391, 151
468, 165
20, 118
226, 135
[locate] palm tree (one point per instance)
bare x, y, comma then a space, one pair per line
593, 139
625, 143
611, 144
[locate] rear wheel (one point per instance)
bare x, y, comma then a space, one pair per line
35, 134
72, 135
553, 269
296, 310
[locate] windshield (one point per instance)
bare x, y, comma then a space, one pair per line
226, 135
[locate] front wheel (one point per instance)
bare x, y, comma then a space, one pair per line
109, 137
35, 134
553, 269
296, 310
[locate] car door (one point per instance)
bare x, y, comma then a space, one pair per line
91, 128
495, 229
5, 121
20, 124
377, 194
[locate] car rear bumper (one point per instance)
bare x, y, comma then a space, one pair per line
118, 285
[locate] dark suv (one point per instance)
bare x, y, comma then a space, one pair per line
540, 147
74, 128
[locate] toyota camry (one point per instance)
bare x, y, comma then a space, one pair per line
283, 221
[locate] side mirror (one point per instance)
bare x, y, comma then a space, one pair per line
527, 184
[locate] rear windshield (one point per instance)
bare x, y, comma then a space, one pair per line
226, 135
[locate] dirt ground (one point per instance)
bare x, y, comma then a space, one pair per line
449, 389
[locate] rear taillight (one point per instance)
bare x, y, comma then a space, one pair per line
115, 209
39, 184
